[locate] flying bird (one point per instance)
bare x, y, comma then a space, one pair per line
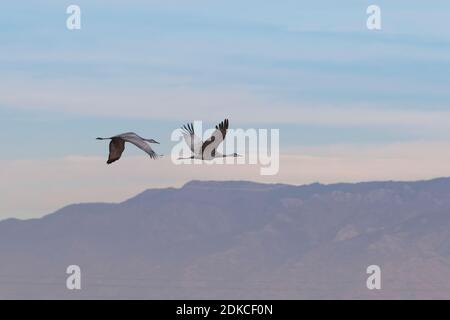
117, 145
206, 150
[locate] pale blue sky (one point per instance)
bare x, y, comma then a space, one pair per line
309, 68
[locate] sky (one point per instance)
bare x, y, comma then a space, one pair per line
351, 104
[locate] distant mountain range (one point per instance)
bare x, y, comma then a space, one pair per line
238, 240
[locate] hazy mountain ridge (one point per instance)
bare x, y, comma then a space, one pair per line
238, 239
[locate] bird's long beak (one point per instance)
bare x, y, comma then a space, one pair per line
156, 142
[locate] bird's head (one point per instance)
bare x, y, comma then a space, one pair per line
236, 155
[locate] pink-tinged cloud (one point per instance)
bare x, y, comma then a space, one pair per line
31, 188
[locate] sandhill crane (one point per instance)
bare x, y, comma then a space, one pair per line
117, 145
206, 150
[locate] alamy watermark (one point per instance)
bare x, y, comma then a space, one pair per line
73, 281
374, 280
239, 147
73, 22
374, 19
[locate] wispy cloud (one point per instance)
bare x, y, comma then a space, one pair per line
182, 104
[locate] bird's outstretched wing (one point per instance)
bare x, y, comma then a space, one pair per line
116, 147
210, 145
191, 139
140, 143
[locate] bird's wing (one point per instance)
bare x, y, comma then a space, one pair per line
116, 147
216, 138
191, 139
141, 144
